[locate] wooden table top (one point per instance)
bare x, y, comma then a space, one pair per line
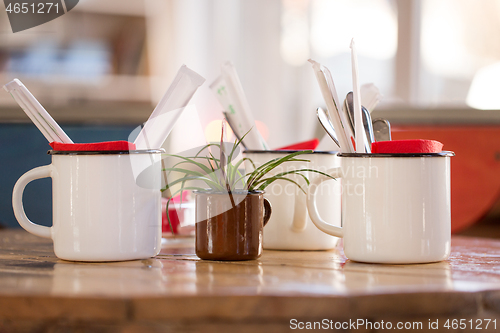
176, 288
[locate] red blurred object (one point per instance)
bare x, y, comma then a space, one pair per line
407, 147
305, 145
96, 146
174, 217
173, 211
475, 169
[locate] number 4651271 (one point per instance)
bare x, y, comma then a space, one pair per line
39, 8
471, 324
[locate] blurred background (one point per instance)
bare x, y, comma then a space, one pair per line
101, 68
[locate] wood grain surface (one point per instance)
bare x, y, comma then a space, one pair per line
177, 292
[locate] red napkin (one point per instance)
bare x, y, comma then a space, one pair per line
407, 146
305, 145
96, 146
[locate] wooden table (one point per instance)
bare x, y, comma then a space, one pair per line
283, 289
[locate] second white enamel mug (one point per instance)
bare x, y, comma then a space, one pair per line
396, 208
290, 227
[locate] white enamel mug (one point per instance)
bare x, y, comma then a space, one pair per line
290, 227
100, 211
395, 207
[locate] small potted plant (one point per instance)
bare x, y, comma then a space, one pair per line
230, 207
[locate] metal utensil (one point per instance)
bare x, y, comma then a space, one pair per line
367, 121
330, 96
350, 106
327, 125
347, 111
382, 129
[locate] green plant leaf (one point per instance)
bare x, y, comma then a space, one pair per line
236, 144
207, 170
222, 175
267, 167
234, 170
211, 174
205, 147
282, 174
208, 181
270, 180
187, 171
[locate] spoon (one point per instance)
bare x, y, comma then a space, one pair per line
382, 129
367, 123
347, 113
327, 125
367, 120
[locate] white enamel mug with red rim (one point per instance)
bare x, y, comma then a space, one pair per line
100, 211
396, 208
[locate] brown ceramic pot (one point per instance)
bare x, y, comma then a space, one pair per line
230, 225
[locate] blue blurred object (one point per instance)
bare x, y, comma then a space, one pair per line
86, 60
40, 59
83, 60
24, 148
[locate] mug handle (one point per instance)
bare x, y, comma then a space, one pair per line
267, 211
17, 201
313, 209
